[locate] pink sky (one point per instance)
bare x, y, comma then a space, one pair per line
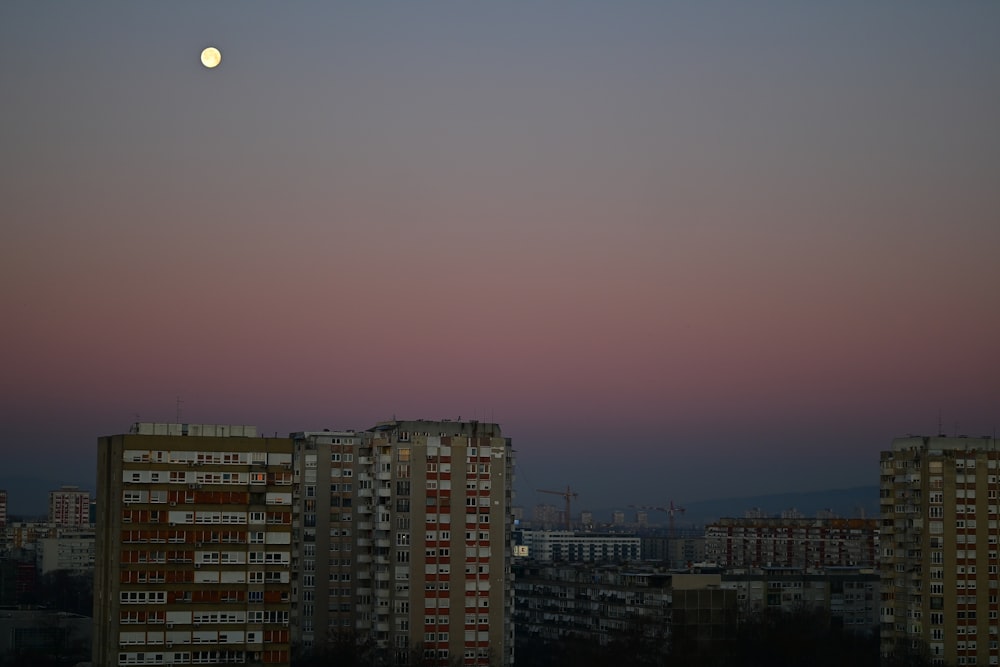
649, 240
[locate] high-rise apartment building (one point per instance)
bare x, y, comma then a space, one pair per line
939, 549
69, 507
405, 541
194, 533
3, 509
324, 597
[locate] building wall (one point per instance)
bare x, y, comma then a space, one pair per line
850, 596
939, 561
69, 507
564, 545
791, 542
556, 601
73, 552
42, 632
193, 546
406, 545
454, 597
326, 477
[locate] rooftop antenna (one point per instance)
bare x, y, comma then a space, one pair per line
178, 414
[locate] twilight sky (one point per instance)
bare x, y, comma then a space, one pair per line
678, 250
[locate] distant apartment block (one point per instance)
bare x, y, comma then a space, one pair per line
70, 551
193, 547
25, 534
69, 507
547, 516
558, 601
570, 546
677, 552
3, 510
940, 540
791, 542
848, 595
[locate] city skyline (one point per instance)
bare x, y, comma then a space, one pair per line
738, 248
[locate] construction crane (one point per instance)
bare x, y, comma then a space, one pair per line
568, 494
670, 511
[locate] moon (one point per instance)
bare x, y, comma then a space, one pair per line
211, 57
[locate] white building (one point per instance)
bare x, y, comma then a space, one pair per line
566, 545
71, 551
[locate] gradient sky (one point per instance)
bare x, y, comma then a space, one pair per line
678, 250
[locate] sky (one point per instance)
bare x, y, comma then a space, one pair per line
679, 251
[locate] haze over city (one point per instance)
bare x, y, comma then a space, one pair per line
678, 251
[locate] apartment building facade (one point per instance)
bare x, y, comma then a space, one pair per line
69, 507
194, 533
571, 546
324, 576
555, 601
405, 542
792, 542
939, 549
69, 551
848, 595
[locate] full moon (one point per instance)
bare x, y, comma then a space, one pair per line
211, 57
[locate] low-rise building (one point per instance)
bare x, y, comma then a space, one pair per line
570, 546
44, 634
602, 603
596, 603
849, 595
